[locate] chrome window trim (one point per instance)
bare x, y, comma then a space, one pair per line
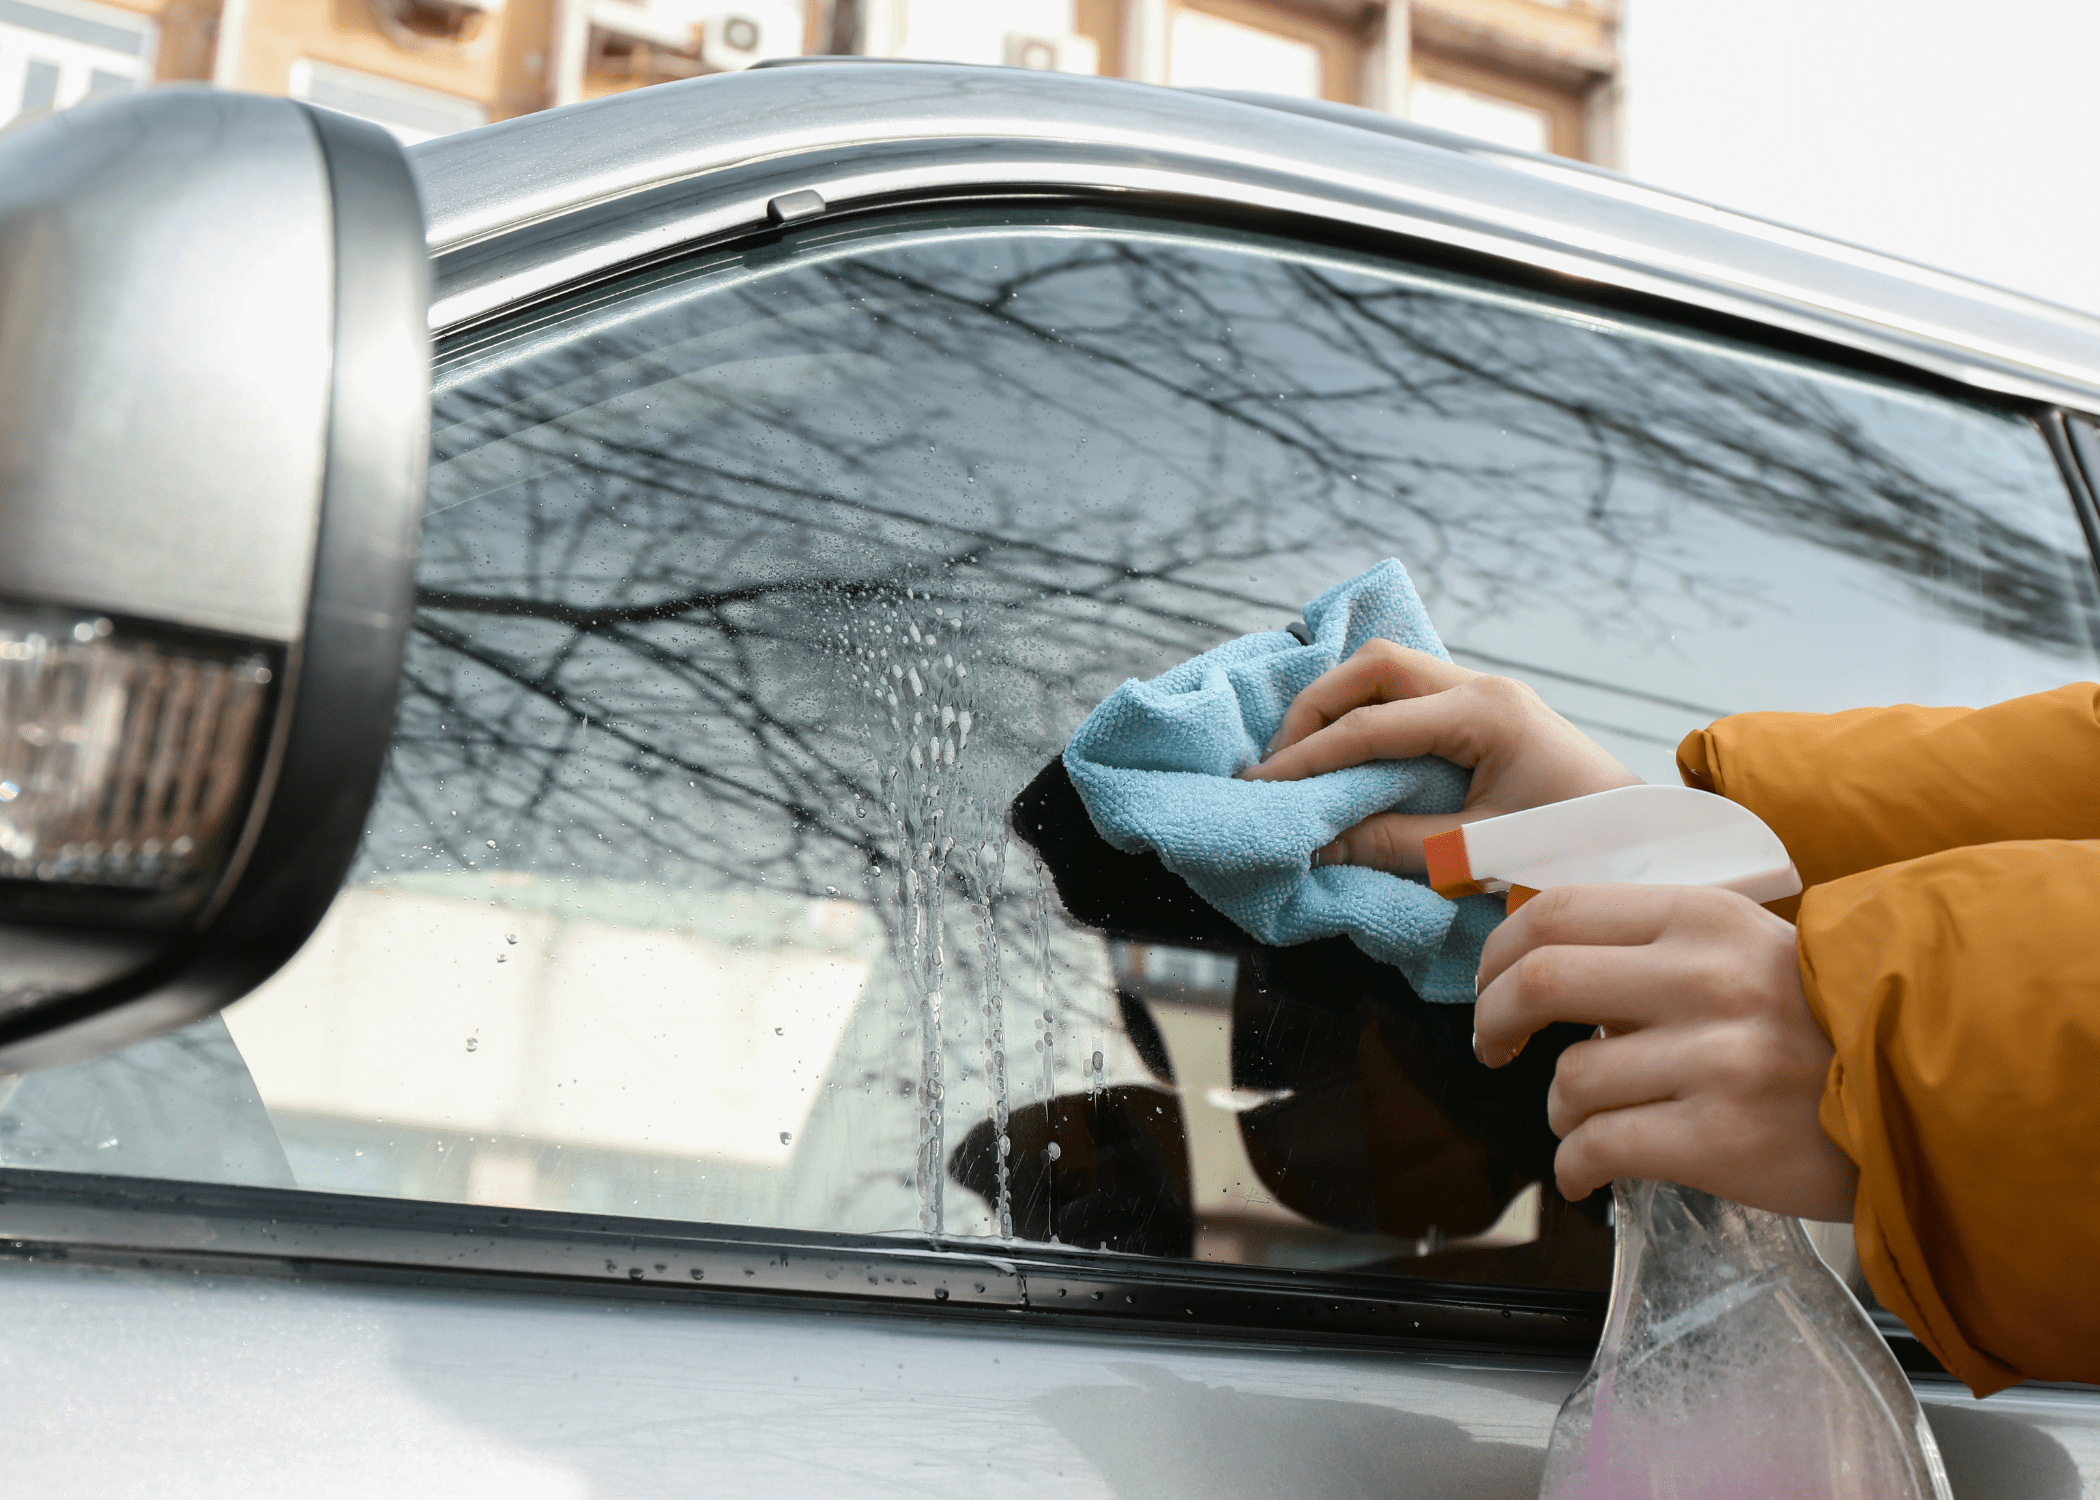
553, 200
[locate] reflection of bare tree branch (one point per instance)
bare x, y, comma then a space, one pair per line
1343, 388
661, 555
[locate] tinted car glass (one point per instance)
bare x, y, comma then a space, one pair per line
724, 870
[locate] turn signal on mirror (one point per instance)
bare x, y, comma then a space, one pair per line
123, 753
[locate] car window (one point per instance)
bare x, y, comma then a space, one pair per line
723, 869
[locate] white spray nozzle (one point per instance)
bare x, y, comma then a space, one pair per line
1632, 835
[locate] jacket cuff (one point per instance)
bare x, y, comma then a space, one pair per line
1961, 994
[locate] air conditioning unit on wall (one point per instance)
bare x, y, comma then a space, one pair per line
1065, 53
732, 39
722, 39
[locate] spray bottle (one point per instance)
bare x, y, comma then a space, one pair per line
1734, 1365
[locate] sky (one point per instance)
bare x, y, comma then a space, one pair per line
1962, 135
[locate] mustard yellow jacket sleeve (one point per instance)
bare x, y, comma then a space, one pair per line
1949, 947
1962, 992
1846, 792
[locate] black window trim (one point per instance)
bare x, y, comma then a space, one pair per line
154, 1224
78, 1216
2074, 441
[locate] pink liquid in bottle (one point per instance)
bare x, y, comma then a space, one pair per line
1734, 1366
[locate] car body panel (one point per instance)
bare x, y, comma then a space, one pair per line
300, 1384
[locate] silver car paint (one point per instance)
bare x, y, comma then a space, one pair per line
267, 1385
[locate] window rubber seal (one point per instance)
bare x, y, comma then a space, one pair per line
160, 1225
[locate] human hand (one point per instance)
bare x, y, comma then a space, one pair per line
1389, 702
1712, 1067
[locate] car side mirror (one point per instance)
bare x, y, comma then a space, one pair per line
214, 419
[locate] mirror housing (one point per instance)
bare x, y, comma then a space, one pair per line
214, 420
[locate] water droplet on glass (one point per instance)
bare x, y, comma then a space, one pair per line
473, 1042
1053, 1151
1098, 1065
780, 1031
786, 1136
511, 938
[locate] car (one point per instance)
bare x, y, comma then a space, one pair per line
578, 970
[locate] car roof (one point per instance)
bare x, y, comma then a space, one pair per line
555, 197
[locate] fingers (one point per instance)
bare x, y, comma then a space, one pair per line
1750, 1156
1626, 956
1714, 1068
1441, 724
1387, 841
1379, 672
1621, 988
1658, 1141
1590, 915
1619, 1072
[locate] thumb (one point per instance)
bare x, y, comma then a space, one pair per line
1393, 841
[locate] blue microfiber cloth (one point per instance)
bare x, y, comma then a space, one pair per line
1155, 766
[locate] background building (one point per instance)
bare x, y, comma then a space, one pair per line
1540, 74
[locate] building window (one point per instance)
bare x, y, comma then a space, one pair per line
1535, 75
1482, 116
1208, 51
1498, 105
58, 53
410, 113
1264, 46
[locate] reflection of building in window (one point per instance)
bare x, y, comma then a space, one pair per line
595, 1047
58, 53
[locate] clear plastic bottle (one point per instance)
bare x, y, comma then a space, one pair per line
1735, 1366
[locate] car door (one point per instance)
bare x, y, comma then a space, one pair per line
733, 1063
